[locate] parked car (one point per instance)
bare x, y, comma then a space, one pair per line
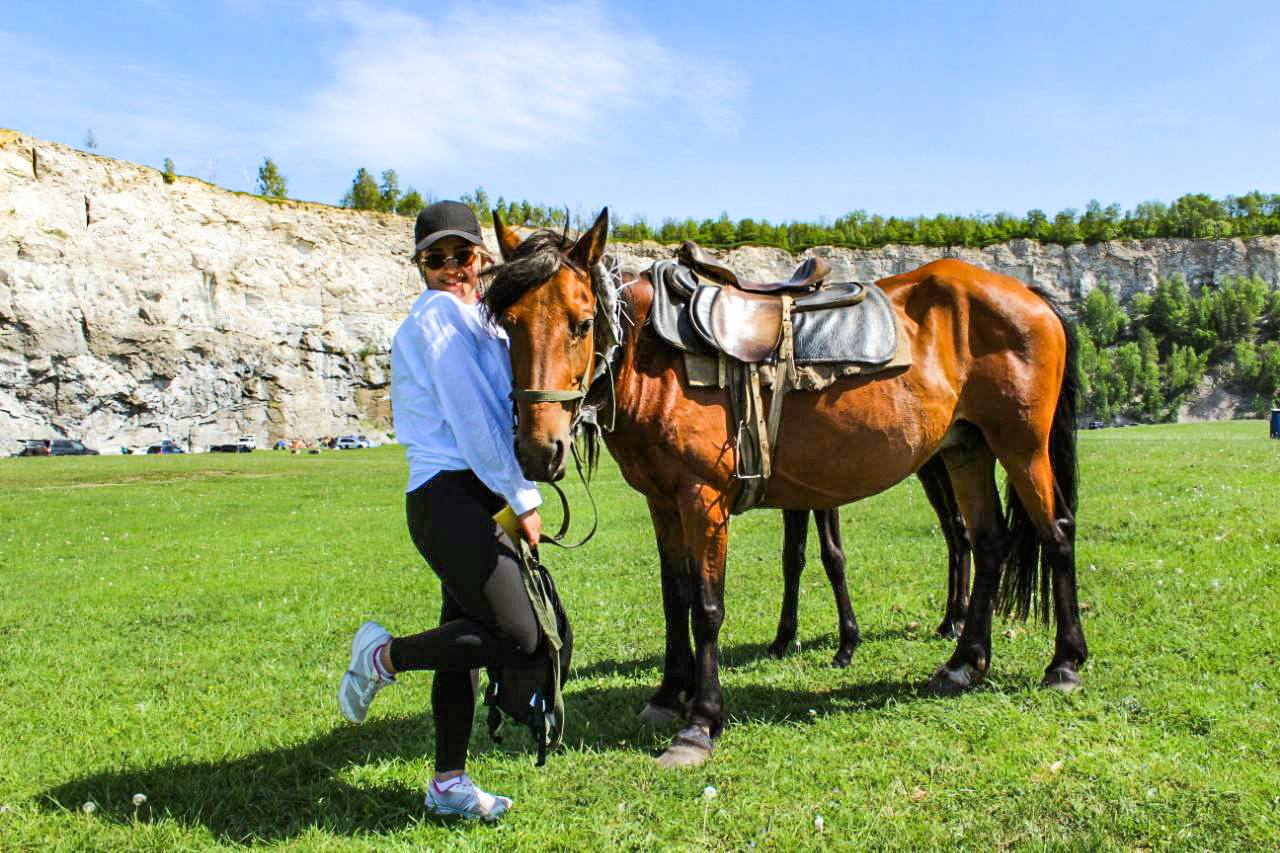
165, 448
1096, 425
244, 444
351, 442
55, 447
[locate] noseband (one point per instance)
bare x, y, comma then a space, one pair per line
542, 395
548, 395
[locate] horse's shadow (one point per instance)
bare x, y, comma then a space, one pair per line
279, 794
745, 654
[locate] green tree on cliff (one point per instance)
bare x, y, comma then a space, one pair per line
364, 193
272, 184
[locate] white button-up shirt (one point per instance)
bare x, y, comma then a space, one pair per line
450, 380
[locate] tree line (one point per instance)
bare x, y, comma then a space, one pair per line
1194, 215
1143, 361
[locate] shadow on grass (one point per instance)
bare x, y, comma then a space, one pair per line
746, 654
269, 795
279, 794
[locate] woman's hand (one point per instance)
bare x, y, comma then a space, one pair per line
531, 526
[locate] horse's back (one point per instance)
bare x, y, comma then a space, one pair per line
993, 311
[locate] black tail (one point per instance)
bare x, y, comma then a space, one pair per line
1024, 559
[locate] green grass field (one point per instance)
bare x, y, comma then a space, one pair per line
176, 626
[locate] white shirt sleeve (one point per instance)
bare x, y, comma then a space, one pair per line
479, 417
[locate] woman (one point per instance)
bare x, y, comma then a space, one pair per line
450, 377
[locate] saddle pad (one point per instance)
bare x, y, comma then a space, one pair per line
866, 333
700, 307
669, 314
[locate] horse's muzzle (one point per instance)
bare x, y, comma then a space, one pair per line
541, 460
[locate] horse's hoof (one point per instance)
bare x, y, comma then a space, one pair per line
1062, 678
657, 715
690, 748
780, 649
682, 755
950, 630
952, 682
842, 659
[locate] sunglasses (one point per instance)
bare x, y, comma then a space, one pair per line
438, 260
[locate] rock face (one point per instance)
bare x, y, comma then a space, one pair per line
133, 309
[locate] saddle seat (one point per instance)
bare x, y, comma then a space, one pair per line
808, 276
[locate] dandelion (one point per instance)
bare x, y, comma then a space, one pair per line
710, 793
819, 824
812, 712
89, 808
139, 799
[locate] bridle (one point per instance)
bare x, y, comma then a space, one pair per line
583, 421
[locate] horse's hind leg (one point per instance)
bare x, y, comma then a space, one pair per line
668, 703
972, 473
828, 524
795, 533
1033, 488
937, 488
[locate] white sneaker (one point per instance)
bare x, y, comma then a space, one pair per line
362, 681
464, 799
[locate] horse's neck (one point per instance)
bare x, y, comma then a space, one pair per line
637, 299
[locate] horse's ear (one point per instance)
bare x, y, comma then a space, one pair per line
589, 249
507, 239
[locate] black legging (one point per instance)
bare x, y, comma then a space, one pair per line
485, 616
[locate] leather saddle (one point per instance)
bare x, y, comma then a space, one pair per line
831, 323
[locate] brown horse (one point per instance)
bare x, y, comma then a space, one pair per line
795, 533
992, 378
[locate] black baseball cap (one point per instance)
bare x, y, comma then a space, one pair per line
445, 219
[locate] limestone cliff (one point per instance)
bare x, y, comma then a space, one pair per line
133, 309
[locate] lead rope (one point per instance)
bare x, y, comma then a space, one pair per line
557, 538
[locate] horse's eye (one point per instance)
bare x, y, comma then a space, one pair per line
583, 329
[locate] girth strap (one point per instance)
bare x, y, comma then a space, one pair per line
757, 438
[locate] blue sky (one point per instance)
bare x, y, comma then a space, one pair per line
765, 110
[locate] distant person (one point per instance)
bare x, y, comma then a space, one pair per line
450, 376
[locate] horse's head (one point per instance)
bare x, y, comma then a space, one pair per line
545, 295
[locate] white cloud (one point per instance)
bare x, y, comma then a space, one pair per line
444, 85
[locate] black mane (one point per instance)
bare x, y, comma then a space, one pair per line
533, 262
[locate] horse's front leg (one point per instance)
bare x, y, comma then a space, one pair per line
677, 685
937, 488
795, 532
828, 524
704, 516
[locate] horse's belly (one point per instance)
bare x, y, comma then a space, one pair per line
836, 447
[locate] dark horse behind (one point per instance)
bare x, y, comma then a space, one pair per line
992, 378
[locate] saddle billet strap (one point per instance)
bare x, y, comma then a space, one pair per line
786, 374
765, 432
753, 464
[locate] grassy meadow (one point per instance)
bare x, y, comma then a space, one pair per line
176, 626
